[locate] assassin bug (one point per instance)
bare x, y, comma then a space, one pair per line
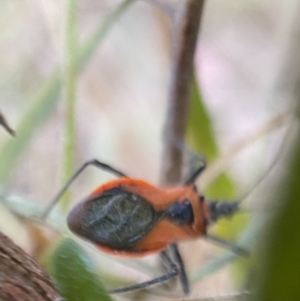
131, 217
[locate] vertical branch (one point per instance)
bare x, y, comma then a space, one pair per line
184, 45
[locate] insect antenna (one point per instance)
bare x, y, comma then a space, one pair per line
226, 244
220, 208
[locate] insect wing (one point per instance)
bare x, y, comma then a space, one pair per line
116, 218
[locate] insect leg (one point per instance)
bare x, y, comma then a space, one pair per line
180, 145
182, 273
192, 178
92, 162
173, 271
222, 242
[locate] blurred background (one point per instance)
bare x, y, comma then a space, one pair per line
247, 70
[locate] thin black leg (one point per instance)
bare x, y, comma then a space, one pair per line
182, 273
192, 178
92, 162
172, 272
180, 145
226, 244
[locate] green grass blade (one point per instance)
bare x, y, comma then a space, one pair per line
35, 116
69, 99
94, 40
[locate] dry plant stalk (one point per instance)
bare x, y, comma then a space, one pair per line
21, 277
184, 44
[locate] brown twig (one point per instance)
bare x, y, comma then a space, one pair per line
22, 278
184, 44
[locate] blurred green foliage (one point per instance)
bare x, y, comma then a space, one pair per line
276, 276
73, 270
202, 138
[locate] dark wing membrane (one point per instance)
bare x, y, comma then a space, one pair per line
115, 217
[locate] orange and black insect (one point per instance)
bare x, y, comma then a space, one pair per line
130, 217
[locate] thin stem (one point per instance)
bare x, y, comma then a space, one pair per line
70, 96
184, 45
92, 42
